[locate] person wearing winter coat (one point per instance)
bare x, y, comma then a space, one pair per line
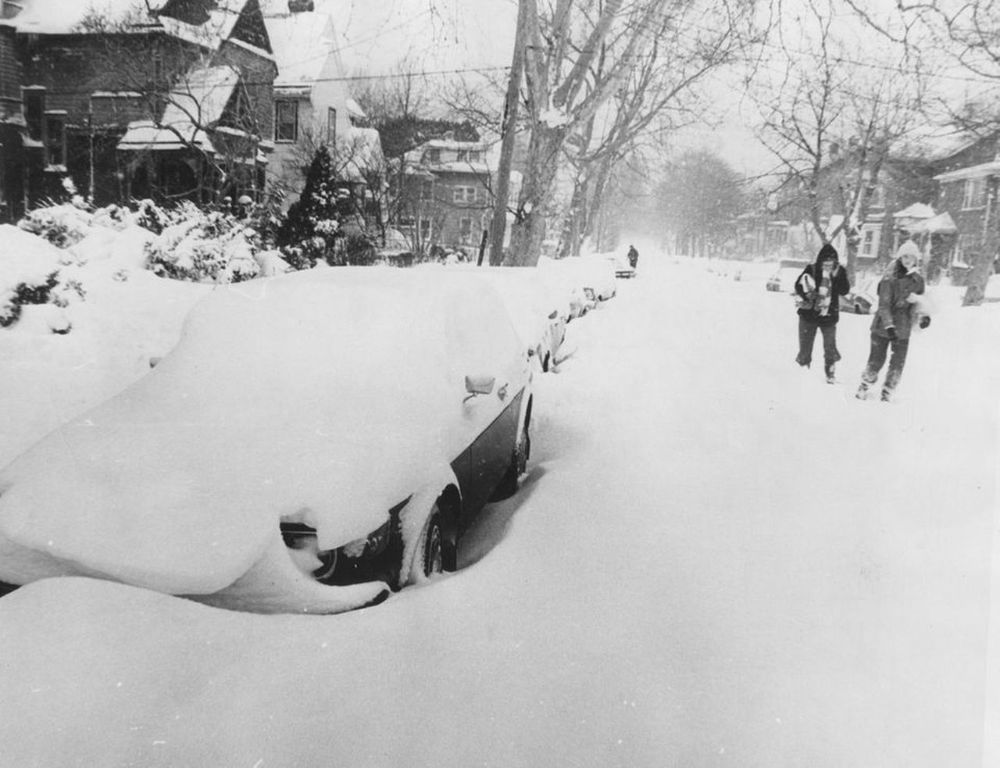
817, 292
898, 294
633, 256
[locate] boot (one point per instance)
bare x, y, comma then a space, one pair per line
830, 377
886, 395
862, 392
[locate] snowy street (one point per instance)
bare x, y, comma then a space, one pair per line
715, 559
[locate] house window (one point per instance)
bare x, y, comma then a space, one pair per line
464, 195
426, 190
425, 230
433, 156
34, 111
868, 242
55, 138
286, 120
331, 126
877, 199
974, 194
463, 156
465, 230
473, 157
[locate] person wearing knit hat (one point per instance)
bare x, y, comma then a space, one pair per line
817, 293
898, 293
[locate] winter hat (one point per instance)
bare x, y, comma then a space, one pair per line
827, 252
909, 248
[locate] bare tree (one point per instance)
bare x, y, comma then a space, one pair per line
177, 91
966, 34
657, 98
833, 123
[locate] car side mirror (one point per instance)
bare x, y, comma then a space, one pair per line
479, 385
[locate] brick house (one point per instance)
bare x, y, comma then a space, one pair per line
968, 181
905, 177
447, 197
167, 99
13, 171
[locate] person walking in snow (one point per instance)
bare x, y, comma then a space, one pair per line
633, 256
817, 292
898, 294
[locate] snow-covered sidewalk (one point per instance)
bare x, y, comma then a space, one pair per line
716, 559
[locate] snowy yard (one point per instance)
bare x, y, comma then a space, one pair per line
716, 559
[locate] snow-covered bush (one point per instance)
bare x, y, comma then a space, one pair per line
201, 246
62, 225
31, 274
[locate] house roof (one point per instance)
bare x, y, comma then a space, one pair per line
971, 172
201, 97
146, 135
59, 17
942, 224
302, 44
915, 211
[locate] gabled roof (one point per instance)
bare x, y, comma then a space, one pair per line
201, 97
302, 44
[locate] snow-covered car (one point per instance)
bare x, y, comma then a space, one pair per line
539, 315
784, 277
862, 299
566, 283
313, 442
598, 274
623, 270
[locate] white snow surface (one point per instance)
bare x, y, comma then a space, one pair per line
716, 559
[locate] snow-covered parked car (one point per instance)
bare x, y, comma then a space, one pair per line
599, 273
862, 299
313, 442
784, 277
538, 314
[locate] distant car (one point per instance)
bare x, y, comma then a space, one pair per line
313, 442
784, 277
623, 270
564, 280
863, 299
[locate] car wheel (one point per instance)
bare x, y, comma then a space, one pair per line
508, 485
429, 560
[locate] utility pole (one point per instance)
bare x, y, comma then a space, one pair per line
508, 134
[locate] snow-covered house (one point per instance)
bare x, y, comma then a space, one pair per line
311, 102
160, 98
968, 183
12, 169
447, 194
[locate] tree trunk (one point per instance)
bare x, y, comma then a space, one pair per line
982, 266
528, 231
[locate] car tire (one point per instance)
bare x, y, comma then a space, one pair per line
510, 482
429, 558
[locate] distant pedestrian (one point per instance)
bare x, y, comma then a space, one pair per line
898, 296
817, 292
633, 256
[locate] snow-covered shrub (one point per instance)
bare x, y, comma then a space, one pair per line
13, 297
62, 225
202, 246
310, 231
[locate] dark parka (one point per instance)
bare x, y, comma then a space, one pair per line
894, 311
807, 298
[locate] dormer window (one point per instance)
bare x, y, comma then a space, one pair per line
433, 156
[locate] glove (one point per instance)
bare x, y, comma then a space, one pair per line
925, 321
891, 333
